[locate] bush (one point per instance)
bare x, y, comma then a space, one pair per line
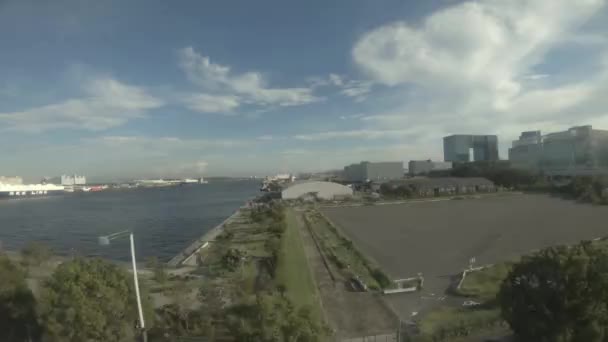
336, 261
91, 300
277, 228
231, 260
226, 235
561, 290
35, 253
380, 277
18, 320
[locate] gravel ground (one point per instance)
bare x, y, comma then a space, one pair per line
439, 238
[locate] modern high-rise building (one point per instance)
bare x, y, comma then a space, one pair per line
526, 151
366, 171
579, 150
467, 148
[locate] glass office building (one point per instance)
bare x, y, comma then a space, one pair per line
467, 148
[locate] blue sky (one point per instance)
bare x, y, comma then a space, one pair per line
120, 89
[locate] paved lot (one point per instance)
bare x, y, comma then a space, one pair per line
439, 238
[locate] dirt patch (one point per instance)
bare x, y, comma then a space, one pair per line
350, 314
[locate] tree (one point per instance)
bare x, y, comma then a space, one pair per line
35, 253
175, 321
231, 260
558, 294
180, 319
499, 172
91, 300
273, 319
18, 321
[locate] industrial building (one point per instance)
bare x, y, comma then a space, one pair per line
421, 167
73, 180
526, 151
366, 171
320, 190
11, 180
425, 187
467, 148
579, 150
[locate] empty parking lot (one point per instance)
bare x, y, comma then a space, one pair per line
439, 238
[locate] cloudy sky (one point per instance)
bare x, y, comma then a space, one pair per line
119, 89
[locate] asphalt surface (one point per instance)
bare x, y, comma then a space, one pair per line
439, 238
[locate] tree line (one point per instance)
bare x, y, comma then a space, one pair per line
558, 294
83, 300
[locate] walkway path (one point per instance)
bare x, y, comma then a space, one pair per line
350, 314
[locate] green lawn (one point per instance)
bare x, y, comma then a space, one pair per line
485, 284
340, 251
293, 271
457, 322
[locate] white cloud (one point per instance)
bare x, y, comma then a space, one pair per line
484, 45
354, 134
169, 144
336, 80
207, 103
249, 87
471, 68
357, 89
106, 103
536, 77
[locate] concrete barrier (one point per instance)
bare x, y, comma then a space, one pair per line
469, 270
197, 245
401, 290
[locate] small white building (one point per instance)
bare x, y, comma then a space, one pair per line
12, 180
73, 180
322, 190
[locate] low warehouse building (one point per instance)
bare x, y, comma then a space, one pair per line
423, 186
322, 190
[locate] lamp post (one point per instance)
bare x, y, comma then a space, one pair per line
104, 241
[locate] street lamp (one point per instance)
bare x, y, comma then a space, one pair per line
104, 241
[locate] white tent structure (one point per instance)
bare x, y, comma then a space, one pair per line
322, 190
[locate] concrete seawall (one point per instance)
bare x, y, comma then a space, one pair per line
188, 255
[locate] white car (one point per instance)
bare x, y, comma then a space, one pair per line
470, 303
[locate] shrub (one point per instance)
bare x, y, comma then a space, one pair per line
35, 253
380, 277
277, 228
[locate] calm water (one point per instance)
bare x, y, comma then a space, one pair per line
164, 220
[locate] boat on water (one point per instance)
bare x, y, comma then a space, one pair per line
200, 180
169, 182
29, 190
